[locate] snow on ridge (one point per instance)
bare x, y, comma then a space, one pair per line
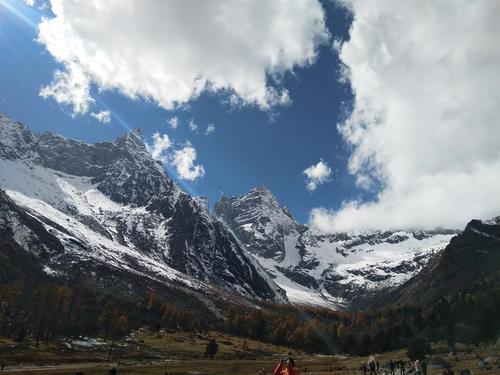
112, 202
311, 265
103, 249
61, 198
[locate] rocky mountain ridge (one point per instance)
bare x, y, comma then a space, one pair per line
84, 208
471, 257
341, 270
109, 215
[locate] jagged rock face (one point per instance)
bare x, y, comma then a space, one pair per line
123, 170
25, 230
342, 270
470, 257
259, 222
110, 205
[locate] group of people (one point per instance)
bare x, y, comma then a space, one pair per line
394, 367
372, 366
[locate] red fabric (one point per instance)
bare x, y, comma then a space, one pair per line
282, 370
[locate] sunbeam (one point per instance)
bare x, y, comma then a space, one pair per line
29, 15
125, 125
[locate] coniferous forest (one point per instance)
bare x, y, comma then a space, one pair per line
49, 310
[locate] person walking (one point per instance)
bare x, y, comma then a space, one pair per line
373, 368
286, 366
418, 368
364, 368
401, 366
392, 367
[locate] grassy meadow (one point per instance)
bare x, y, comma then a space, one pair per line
146, 352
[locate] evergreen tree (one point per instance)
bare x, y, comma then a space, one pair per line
418, 349
211, 349
365, 346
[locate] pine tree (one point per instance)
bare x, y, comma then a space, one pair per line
366, 344
211, 349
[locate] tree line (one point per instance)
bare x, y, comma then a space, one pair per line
48, 310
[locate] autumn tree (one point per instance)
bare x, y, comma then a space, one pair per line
155, 307
256, 324
9, 297
119, 326
341, 330
244, 345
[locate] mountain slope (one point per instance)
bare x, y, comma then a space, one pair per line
341, 270
90, 208
470, 257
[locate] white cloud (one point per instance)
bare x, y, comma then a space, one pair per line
103, 116
183, 160
70, 87
173, 122
317, 174
161, 143
426, 121
210, 129
193, 126
172, 51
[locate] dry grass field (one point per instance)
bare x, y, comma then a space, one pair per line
177, 353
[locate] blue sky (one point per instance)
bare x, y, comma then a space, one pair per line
405, 93
249, 147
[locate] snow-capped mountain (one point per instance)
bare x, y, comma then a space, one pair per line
339, 269
259, 222
471, 257
91, 210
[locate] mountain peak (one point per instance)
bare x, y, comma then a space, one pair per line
16, 139
132, 140
261, 190
258, 220
136, 132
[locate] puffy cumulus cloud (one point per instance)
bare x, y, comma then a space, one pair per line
103, 116
171, 51
182, 159
317, 174
70, 87
192, 126
173, 122
184, 162
210, 129
425, 125
161, 143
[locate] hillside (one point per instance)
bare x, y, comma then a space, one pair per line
470, 257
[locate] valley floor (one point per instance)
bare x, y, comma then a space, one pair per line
180, 353
314, 365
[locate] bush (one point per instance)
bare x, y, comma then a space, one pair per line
418, 349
